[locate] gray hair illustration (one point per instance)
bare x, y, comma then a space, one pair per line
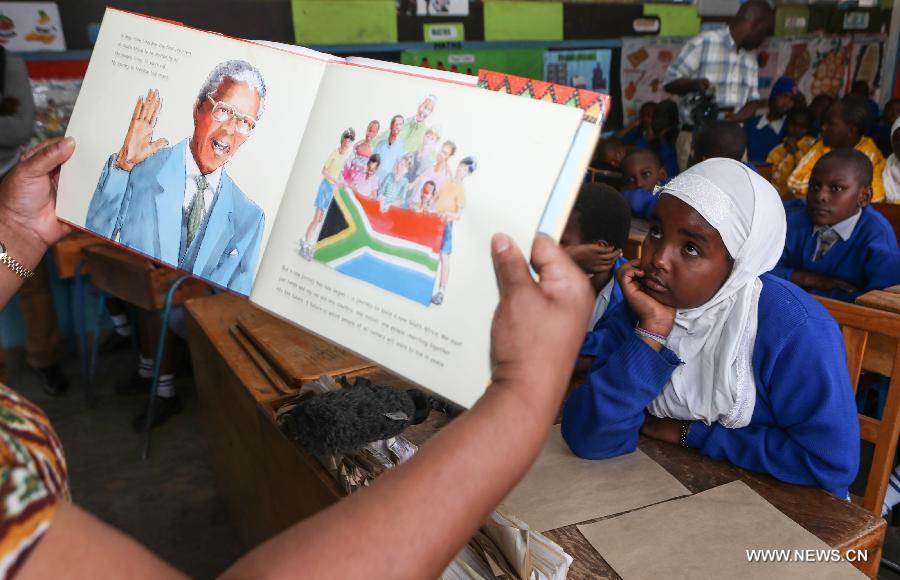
238, 71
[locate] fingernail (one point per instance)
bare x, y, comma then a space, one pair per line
499, 243
68, 142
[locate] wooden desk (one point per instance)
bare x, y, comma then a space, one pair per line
268, 482
880, 352
136, 280
636, 235
67, 253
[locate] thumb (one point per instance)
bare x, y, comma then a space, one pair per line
44, 160
509, 264
157, 145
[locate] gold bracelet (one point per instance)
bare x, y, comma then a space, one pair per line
17, 268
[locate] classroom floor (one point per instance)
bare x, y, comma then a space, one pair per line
168, 503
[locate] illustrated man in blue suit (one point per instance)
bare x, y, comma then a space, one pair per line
177, 204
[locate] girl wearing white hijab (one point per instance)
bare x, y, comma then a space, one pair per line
891, 173
709, 351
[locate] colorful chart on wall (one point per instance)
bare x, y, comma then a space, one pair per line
581, 69
866, 60
819, 64
767, 57
644, 64
523, 62
31, 26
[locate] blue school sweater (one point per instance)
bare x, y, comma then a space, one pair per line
668, 157
869, 260
804, 427
761, 141
641, 202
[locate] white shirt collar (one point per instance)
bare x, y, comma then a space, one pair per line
191, 172
776, 125
843, 228
602, 302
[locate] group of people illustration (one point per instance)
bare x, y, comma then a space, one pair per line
403, 167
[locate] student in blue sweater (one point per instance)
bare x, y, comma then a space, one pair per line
711, 352
838, 246
594, 237
643, 171
765, 132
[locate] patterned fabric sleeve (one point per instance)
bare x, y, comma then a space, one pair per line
33, 479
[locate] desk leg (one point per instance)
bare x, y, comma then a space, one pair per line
160, 351
95, 346
78, 317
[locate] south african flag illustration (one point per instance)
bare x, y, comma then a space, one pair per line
397, 250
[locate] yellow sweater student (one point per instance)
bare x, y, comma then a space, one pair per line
783, 158
845, 126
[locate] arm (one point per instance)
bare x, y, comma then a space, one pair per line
882, 263
816, 438
684, 86
16, 129
602, 417
747, 111
104, 215
455, 469
681, 76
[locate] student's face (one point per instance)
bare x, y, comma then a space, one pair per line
757, 32
614, 155
819, 106
891, 112
215, 141
345, 142
371, 168
427, 191
646, 117
372, 131
642, 172
683, 257
396, 125
783, 103
836, 132
425, 109
835, 193
430, 138
462, 171
797, 128
401, 168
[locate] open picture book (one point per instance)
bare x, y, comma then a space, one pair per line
354, 198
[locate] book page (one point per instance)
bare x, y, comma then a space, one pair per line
163, 105
391, 259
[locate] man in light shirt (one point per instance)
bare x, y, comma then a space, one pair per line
177, 204
723, 61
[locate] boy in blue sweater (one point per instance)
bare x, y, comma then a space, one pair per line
708, 351
594, 237
643, 171
837, 246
